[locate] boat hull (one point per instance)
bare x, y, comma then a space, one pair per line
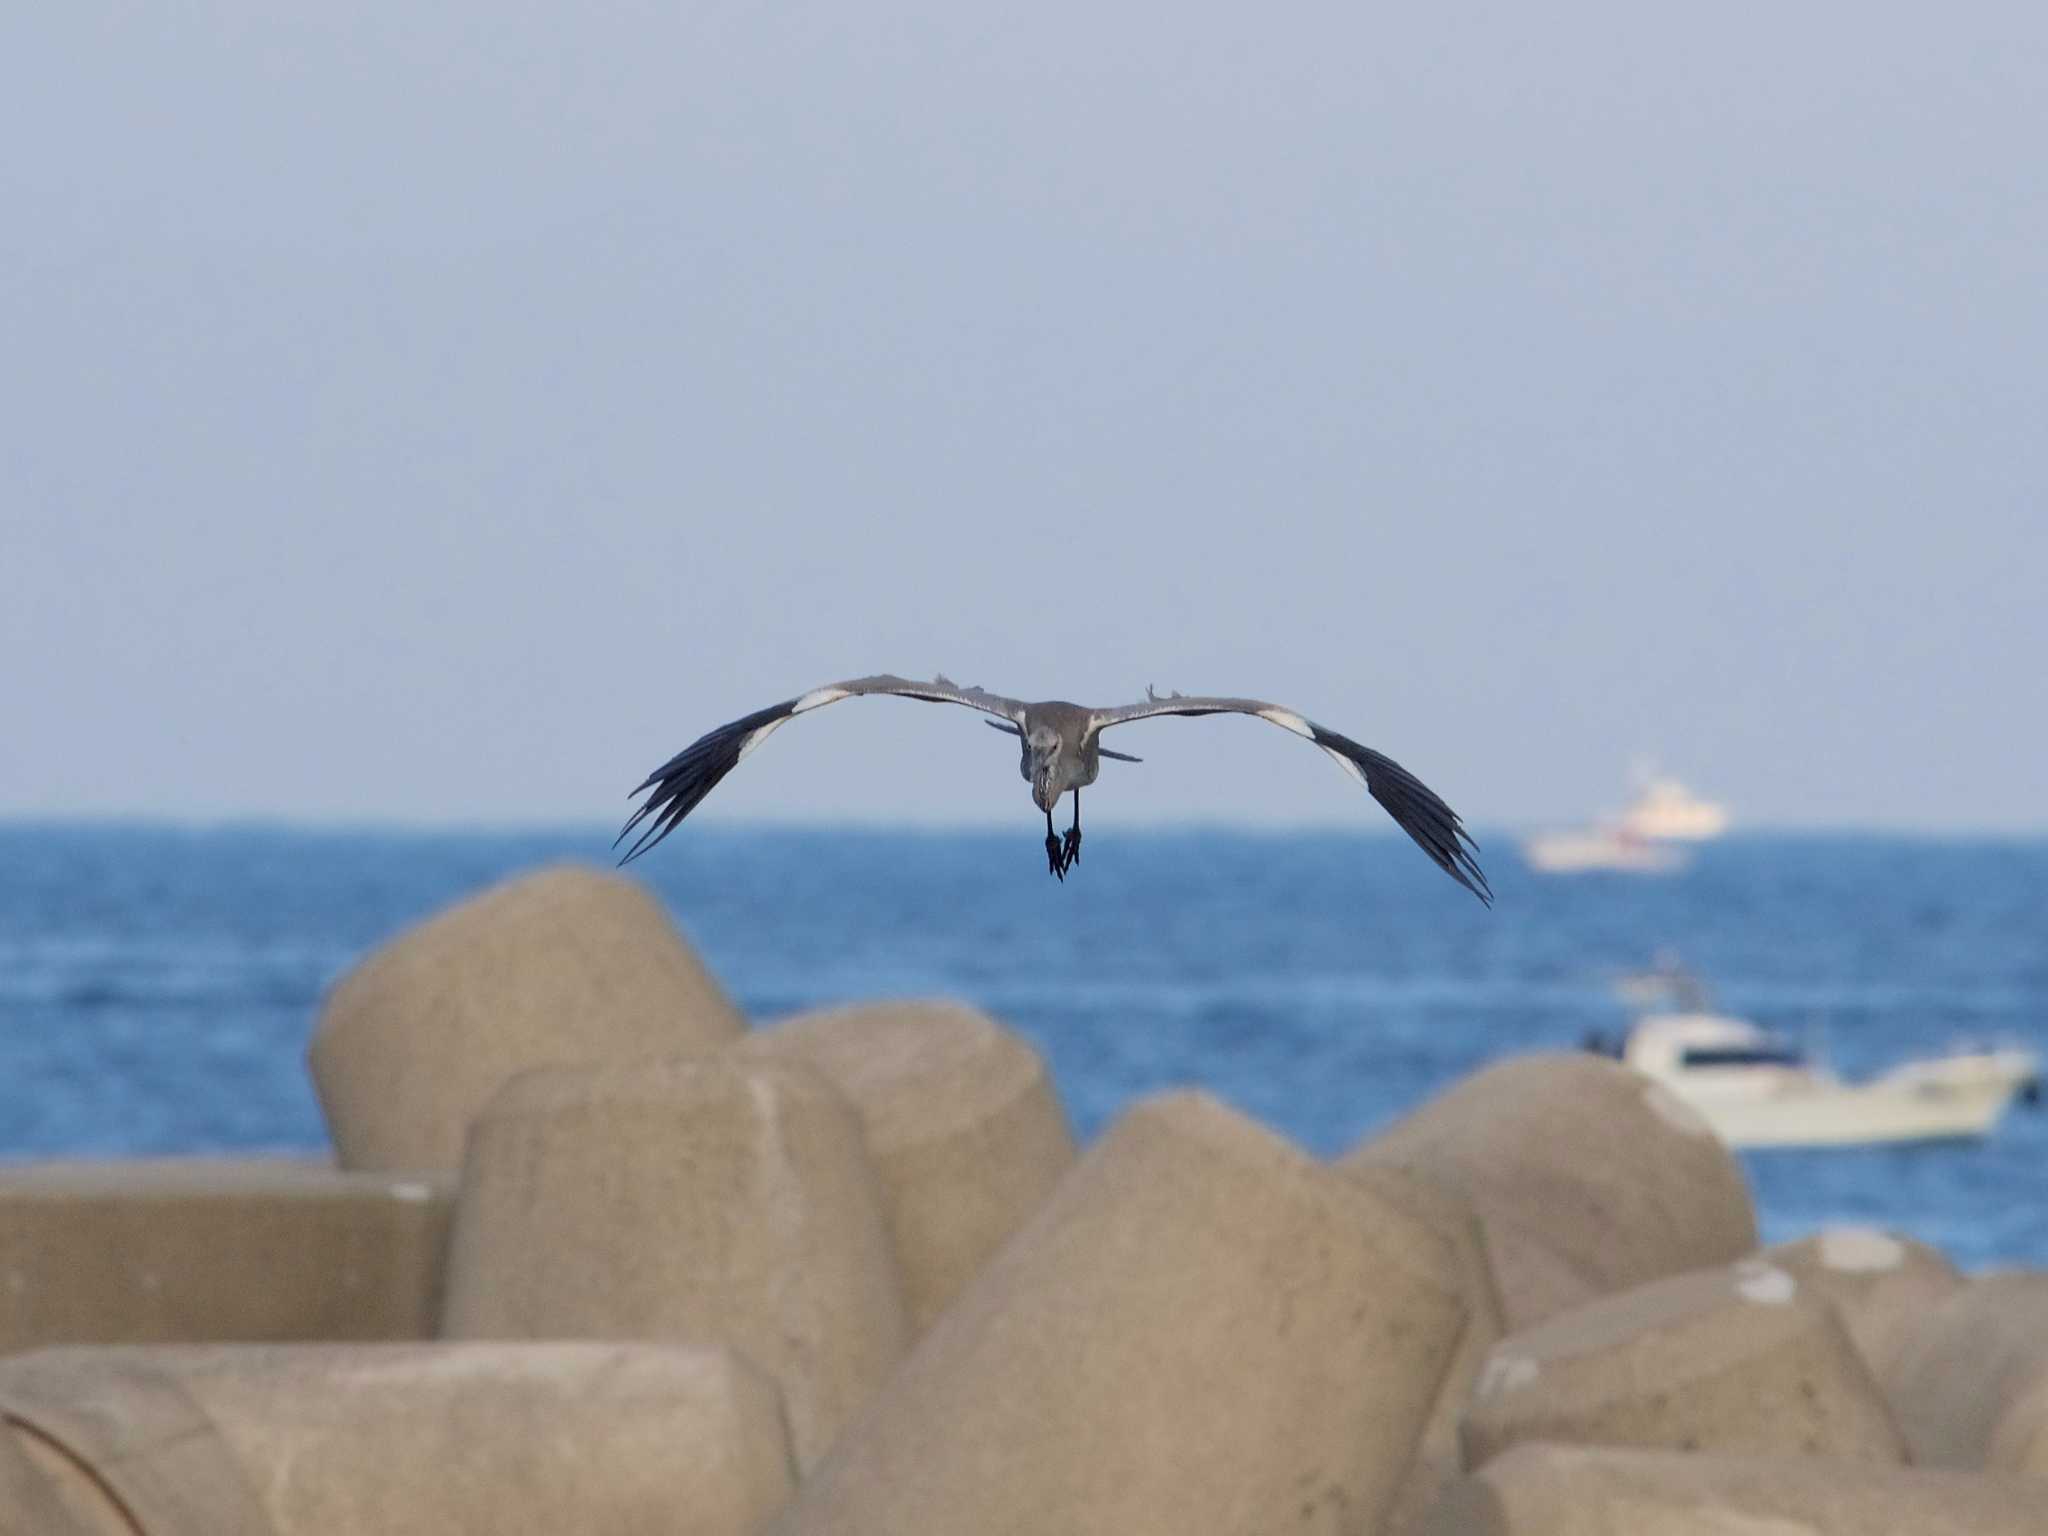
1568, 853
1902, 1109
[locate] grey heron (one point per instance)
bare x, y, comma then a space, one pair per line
1062, 752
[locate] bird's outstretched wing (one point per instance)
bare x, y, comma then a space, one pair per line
685, 779
1418, 809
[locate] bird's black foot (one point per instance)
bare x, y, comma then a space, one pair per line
1055, 857
1070, 850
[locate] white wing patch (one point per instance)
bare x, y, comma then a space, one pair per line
811, 700
1346, 764
1289, 720
755, 737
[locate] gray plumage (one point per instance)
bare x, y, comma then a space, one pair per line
1060, 752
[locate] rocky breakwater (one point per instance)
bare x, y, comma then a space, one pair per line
597, 1257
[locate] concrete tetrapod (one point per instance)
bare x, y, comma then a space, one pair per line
1457, 1259
2020, 1444
400, 1439
1881, 1283
961, 1122
1740, 1360
1560, 1490
1969, 1381
192, 1250
565, 965
1202, 1331
1586, 1176
715, 1200
30, 1501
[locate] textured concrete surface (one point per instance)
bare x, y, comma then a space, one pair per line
1202, 1331
1740, 1359
198, 1249
34, 1502
402, 1439
1882, 1283
1555, 1490
1456, 1256
1586, 1176
961, 1122
565, 965
1969, 1379
716, 1200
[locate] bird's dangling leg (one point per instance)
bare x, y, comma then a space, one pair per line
1052, 850
1070, 850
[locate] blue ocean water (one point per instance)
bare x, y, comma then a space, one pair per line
158, 985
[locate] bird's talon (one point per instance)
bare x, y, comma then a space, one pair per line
1053, 857
1070, 851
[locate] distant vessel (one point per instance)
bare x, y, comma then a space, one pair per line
1758, 1089
1603, 847
1645, 839
1667, 811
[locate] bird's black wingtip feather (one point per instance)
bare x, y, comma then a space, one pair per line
1419, 811
685, 779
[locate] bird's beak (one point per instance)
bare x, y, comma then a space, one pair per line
1042, 792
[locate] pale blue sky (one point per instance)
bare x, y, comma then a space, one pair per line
448, 411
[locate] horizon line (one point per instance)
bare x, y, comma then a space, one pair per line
416, 826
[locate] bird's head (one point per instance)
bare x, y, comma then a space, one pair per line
1042, 767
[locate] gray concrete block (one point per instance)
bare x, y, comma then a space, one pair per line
712, 1200
1741, 1360
1456, 1257
961, 1122
200, 1249
1967, 1381
1557, 1490
1202, 1331
1586, 1177
1881, 1283
32, 1502
562, 966
400, 1439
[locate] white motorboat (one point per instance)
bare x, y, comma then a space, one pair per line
1603, 847
1666, 811
1758, 1089
1647, 838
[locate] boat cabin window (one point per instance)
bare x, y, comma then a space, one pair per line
1741, 1056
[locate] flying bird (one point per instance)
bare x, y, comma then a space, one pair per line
1062, 752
